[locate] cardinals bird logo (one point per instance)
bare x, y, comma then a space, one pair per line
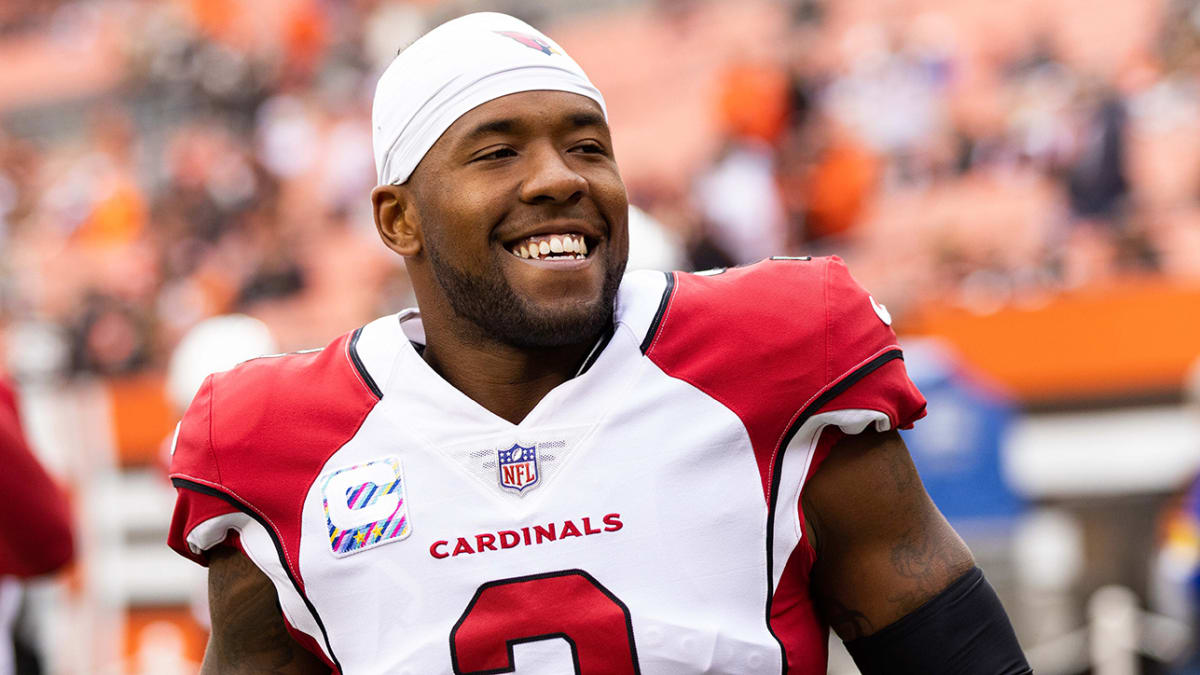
530, 41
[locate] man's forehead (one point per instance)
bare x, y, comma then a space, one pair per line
524, 111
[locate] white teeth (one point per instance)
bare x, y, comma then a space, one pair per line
565, 246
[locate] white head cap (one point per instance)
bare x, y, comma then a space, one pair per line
453, 68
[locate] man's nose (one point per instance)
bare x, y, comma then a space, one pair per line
551, 179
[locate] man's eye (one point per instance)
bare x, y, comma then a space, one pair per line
595, 148
500, 153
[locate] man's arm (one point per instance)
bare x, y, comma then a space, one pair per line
248, 635
885, 553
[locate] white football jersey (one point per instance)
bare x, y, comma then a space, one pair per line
643, 518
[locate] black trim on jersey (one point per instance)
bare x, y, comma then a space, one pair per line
512, 664
213, 492
358, 364
597, 349
777, 468
662, 309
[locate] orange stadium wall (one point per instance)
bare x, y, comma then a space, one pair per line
1129, 339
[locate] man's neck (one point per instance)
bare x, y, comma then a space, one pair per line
506, 380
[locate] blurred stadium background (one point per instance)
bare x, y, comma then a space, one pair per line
183, 184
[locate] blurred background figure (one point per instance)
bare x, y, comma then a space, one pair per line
1176, 576
211, 346
1018, 182
36, 536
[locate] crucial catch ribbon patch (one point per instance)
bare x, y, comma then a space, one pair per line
365, 506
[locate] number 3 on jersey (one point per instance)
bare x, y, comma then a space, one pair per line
569, 604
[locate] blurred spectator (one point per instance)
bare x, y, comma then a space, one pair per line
1097, 184
35, 525
651, 245
35, 522
994, 152
110, 338
739, 197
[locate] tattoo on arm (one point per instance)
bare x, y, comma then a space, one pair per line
927, 553
928, 561
882, 547
848, 623
248, 626
900, 470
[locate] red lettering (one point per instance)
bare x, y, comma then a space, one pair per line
522, 473
462, 547
543, 533
435, 553
510, 476
536, 534
612, 522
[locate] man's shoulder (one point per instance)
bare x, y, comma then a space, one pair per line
312, 379
769, 294
780, 308
771, 338
724, 330
274, 411
773, 289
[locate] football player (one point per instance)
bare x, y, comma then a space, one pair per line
552, 466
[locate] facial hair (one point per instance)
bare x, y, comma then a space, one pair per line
489, 302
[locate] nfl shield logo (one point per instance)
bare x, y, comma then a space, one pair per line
518, 467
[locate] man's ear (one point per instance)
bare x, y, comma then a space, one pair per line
397, 220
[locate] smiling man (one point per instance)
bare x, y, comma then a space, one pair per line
551, 466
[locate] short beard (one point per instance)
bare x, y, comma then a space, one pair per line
490, 303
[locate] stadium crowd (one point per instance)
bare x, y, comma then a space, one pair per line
222, 162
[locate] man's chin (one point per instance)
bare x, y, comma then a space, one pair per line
531, 309
543, 327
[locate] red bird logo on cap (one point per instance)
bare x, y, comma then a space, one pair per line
530, 41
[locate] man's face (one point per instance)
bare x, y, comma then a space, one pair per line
524, 215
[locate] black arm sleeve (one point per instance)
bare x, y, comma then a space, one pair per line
962, 630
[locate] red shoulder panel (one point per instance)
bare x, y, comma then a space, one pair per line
35, 518
255, 438
860, 330
782, 338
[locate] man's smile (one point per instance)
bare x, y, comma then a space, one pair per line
561, 246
